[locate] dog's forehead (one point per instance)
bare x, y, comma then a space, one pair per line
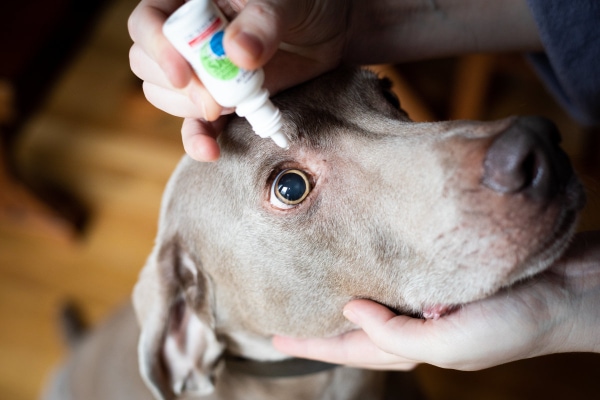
340, 98
343, 104
333, 91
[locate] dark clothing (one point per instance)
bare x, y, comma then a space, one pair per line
570, 66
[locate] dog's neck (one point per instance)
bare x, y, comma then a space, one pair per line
254, 355
243, 344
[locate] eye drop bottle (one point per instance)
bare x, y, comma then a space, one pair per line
196, 30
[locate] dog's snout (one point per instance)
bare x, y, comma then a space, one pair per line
526, 158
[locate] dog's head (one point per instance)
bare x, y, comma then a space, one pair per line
364, 204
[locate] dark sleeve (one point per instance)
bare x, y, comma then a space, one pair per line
570, 65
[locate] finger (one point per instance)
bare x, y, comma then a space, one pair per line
446, 342
366, 312
353, 349
200, 138
145, 28
287, 69
164, 96
146, 68
192, 102
396, 334
254, 35
174, 102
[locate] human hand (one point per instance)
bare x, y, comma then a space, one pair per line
293, 40
296, 40
554, 312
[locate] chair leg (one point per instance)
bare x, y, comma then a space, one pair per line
410, 101
472, 79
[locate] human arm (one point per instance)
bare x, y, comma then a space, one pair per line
568, 65
297, 40
554, 312
388, 31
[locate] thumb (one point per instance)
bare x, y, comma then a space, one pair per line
395, 334
367, 313
255, 34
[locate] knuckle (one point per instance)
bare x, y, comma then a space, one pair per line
132, 23
134, 61
265, 11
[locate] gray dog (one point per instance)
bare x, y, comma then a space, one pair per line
421, 217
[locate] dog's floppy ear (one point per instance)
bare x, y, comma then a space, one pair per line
178, 349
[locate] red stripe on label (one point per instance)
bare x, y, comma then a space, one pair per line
206, 33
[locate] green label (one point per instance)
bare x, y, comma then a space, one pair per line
214, 60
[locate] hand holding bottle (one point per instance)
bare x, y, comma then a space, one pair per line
314, 43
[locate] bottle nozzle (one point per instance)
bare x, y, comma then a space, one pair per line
281, 140
264, 118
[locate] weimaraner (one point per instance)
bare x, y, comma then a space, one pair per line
421, 217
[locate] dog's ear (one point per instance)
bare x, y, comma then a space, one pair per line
178, 349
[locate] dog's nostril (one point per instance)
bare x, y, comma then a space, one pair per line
526, 158
529, 170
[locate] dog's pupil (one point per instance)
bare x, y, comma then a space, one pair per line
291, 186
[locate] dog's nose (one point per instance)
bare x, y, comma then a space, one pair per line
526, 158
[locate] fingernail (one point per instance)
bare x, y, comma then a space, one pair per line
227, 110
249, 44
351, 316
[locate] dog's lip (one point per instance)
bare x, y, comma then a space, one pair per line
437, 311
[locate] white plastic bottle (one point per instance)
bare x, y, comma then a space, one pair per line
196, 30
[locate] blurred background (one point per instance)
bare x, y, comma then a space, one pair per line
84, 160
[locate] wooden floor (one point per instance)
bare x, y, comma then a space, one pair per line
98, 138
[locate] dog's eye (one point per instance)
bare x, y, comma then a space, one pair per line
289, 188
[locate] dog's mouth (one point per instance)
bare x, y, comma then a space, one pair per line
437, 311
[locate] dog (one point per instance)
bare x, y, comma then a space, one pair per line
420, 217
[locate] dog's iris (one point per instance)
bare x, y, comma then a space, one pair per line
291, 186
